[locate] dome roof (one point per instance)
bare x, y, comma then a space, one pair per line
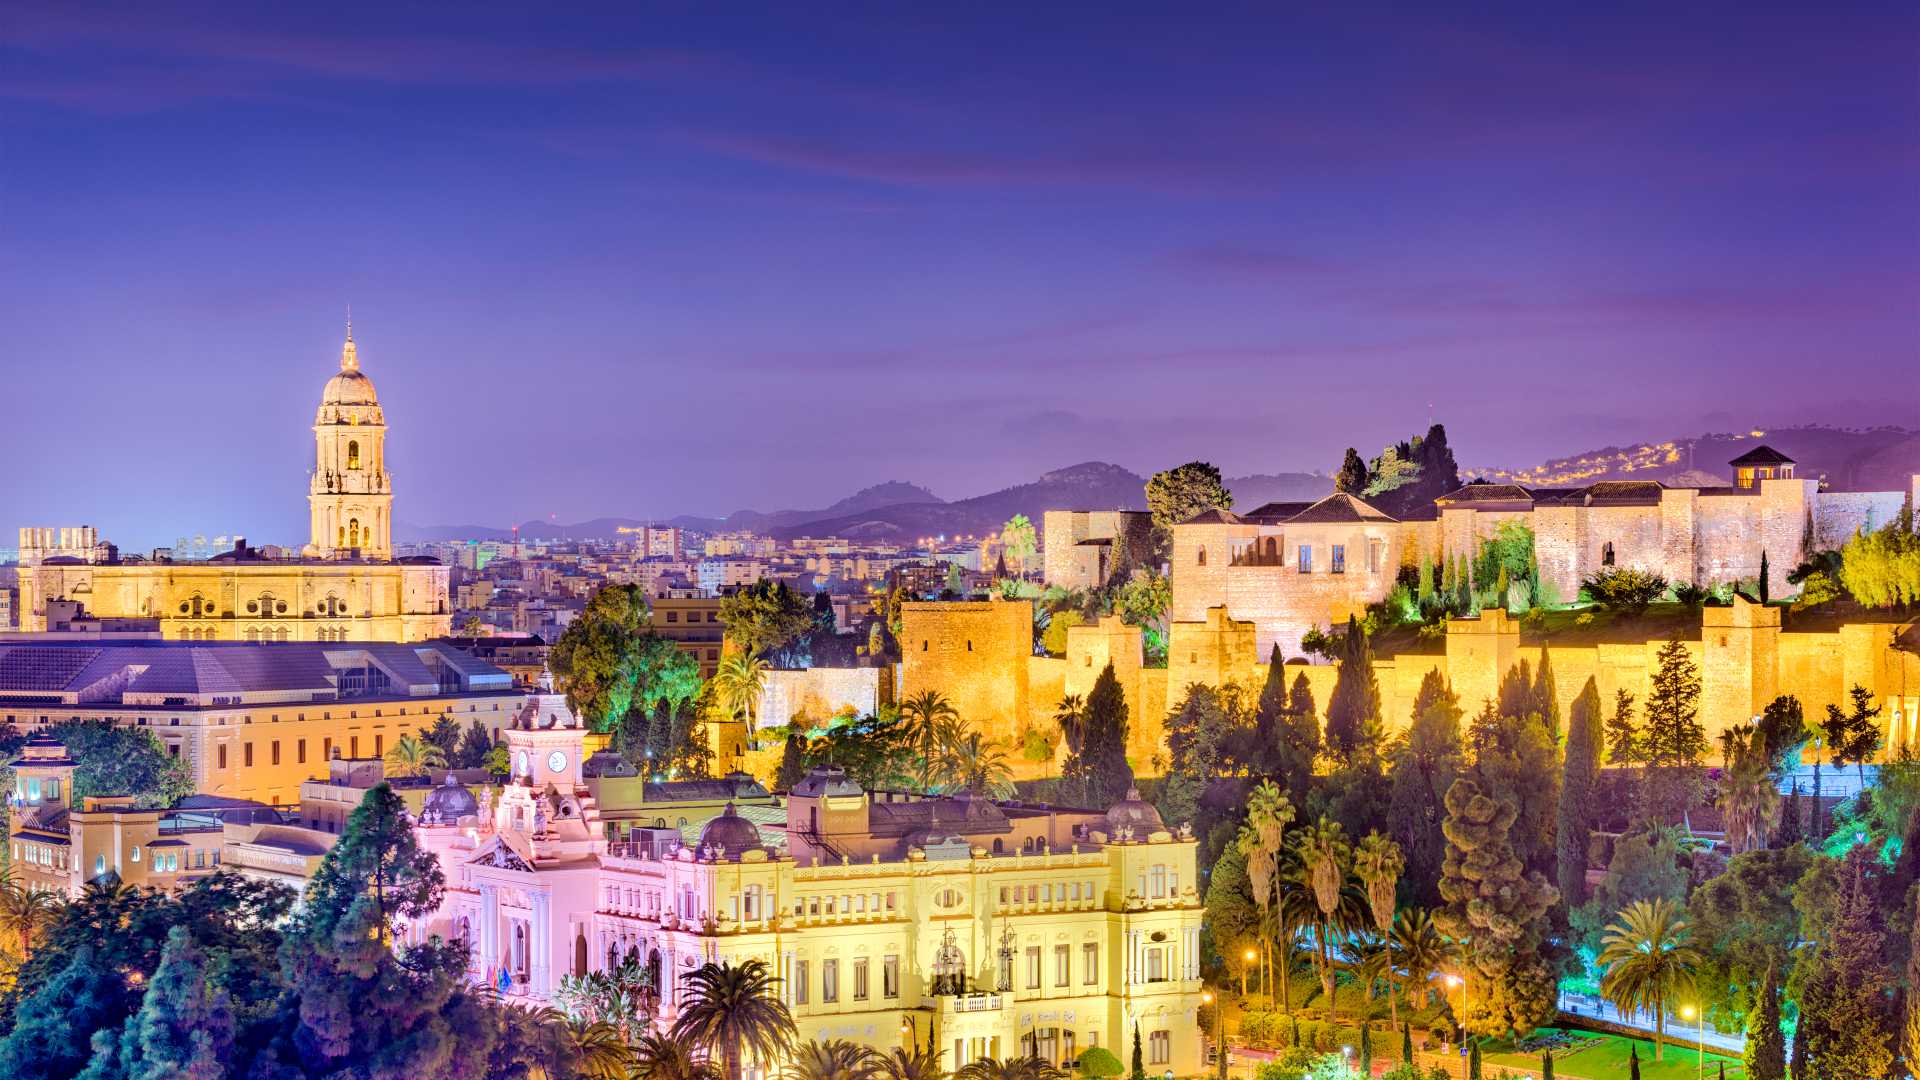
349, 386
1135, 812
731, 832
448, 803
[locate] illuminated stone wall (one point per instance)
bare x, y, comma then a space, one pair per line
975, 653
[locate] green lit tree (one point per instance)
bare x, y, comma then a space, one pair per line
1426, 762
593, 657
1581, 768
1497, 910
1766, 1050
1846, 986
1353, 711
185, 1027
1649, 960
1177, 494
1675, 739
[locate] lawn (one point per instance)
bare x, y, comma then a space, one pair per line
1608, 1061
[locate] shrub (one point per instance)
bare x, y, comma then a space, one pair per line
1099, 1061
1882, 568
1624, 589
1818, 588
1690, 595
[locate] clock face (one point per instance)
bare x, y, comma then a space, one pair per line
557, 761
520, 762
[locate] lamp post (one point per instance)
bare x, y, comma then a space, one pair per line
1460, 1022
1699, 1018
1248, 958
1219, 1040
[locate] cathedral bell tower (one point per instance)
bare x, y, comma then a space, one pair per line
350, 495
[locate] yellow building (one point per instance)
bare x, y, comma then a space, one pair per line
1007, 928
253, 722
346, 587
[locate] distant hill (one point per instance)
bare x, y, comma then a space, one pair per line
1848, 459
1252, 492
877, 497
1092, 485
608, 528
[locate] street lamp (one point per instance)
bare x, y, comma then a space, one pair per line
1688, 1012
1460, 1022
1247, 956
1219, 1040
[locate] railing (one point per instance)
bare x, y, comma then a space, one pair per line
964, 1003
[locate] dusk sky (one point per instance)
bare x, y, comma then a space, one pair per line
670, 261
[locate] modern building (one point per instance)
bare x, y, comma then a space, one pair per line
346, 586
1010, 928
692, 623
254, 721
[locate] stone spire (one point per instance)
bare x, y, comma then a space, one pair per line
349, 359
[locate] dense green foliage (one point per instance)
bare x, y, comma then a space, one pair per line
1179, 493
1882, 568
113, 760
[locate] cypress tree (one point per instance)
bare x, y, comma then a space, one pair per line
1100, 770
1366, 1048
1546, 701
1353, 712
1763, 577
1793, 822
1633, 1062
1546, 1065
1286, 738
1352, 477
793, 761
1797, 1065
1406, 1042
1573, 823
1473, 1060
1766, 1053
1139, 1060
1846, 988
184, 1029
1911, 1036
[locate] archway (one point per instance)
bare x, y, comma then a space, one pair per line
579, 953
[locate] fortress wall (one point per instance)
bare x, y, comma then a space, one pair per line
1060, 530
817, 693
1838, 515
1679, 514
1560, 543
1197, 587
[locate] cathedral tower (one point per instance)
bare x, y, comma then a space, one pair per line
350, 495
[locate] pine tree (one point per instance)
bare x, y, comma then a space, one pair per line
184, 1029
1574, 822
1797, 1065
1353, 712
1499, 908
1675, 739
473, 747
1766, 1053
1846, 989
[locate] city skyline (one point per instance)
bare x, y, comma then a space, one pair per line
927, 251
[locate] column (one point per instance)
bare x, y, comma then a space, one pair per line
540, 945
490, 929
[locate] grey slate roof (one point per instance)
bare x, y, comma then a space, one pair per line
195, 669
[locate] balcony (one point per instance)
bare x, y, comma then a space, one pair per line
974, 1002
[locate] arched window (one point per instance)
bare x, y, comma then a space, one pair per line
353, 532
1203, 557
353, 454
1606, 553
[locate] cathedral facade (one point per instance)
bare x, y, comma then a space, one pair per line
345, 586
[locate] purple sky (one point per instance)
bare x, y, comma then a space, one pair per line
671, 262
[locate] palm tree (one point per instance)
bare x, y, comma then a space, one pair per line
1261, 840
1324, 854
597, 1050
834, 1059
731, 1012
1023, 1068
911, 1064
737, 683
1378, 863
1749, 792
1071, 715
24, 912
1423, 950
658, 1057
1648, 959
413, 757
928, 715
974, 765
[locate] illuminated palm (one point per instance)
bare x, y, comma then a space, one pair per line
974, 765
1648, 960
834, 1059
1324, 855
731, 1012
413, 757
929, 716
1261, 840
1421, 949
657, 1057
914, 1064
25, 911
1026, 1068
1071, 715
597, 1050
1378, 864
1749, 792
737, 683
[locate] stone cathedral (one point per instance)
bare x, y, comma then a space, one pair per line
345, 586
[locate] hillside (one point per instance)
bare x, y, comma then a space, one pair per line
1090, 485
1848, 459
1250, 492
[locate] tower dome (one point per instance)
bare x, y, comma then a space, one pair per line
1135, 812
730, 832
448, 803
349, 385
349, 494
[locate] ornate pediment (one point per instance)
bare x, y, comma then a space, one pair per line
501, 856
